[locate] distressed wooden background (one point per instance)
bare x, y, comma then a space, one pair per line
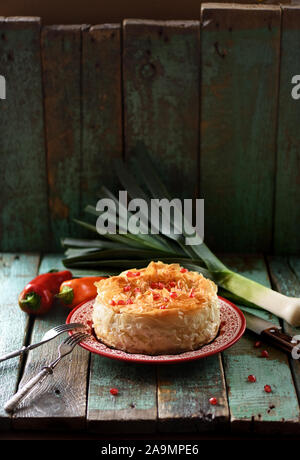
210, 99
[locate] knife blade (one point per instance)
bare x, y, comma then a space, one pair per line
271, 333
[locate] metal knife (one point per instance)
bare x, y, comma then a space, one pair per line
270, 332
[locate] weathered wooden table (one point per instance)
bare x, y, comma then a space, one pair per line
168, 398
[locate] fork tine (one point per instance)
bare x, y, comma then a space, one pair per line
75, 338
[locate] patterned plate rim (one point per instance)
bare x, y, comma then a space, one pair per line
207, 350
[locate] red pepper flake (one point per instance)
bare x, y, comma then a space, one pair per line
121, 302
127, 288
160, 285
173, 295
166, 299
264, 354
172, 284
132, 274
137, 290
113, 303
183, 270
257, 344
114, 391
162, 307
267, 389
251, 378
129, 302
156, 296
153, 285
213, 401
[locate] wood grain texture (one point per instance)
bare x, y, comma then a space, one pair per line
287, 204
60, 401
239, 82
183, 396
101, 123
61, 53
251, 408
134, 409
16, 270
23, 204
161, 98
286, 279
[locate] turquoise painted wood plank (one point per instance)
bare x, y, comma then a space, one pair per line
285, 278
183, 396
134, 409
251, 408
161, 98
60, 401
287, 208
23, 204
239, 82
61, 53
16, 270
101, 122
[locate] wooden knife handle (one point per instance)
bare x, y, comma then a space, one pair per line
279, 339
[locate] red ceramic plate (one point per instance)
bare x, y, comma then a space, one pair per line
232, 327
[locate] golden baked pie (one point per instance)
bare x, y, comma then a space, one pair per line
160, 309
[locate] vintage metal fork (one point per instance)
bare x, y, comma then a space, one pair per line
64, 349
51, 334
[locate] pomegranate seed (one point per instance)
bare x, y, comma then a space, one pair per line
257, 344
121, 302
264, 354
156, 296
112, 302
267, 388
127, 288
192, 293
173, 295
213, 401
160, 285
129, 302
132, 274
183, 270
114, 391
172, 283
251, 378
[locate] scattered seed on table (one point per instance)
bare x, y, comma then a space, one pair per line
114, 391
264, 354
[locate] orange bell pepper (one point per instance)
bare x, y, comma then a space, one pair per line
73, 292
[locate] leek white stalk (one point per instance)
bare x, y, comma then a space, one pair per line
287, 308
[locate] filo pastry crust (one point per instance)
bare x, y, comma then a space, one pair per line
160, 309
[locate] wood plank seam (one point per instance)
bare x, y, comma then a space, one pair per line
46, 148
16, 269
272, 246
